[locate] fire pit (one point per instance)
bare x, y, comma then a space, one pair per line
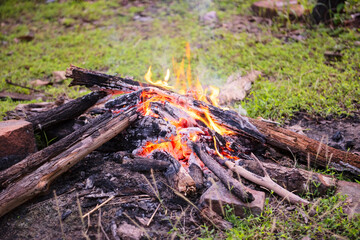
185, 137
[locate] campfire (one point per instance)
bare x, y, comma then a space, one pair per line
177, 129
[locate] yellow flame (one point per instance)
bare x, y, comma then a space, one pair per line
160, 83
166, 79
216, 149
214, 95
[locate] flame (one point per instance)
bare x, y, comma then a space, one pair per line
160, 83
185, 131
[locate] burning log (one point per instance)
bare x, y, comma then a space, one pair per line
92, 79
319, 153
234, 186
39, 180
229, 119
66, 111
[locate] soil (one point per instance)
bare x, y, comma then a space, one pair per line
340, 133
100, 175
92, 181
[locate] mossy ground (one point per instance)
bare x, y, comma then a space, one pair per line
104, 35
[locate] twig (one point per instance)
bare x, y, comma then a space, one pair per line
136, 224
99, 206
18, 85
58, 210
101, 227
266, 182
152, 216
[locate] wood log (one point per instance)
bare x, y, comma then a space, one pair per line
66, 111
35, 160
39, 180
90, 79
21, 96
319, 153
233, 185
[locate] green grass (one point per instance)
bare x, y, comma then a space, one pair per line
102, 35
323, 219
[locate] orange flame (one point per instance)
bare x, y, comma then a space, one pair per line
176, 145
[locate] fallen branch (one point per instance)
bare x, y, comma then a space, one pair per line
319, 153
265, 181
40, 180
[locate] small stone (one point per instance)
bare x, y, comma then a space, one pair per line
65, 214
16, 138
349, 145
59, 76
209, 18
90, 182
352, 190
128, 232
217, 196
271, 8
337, 136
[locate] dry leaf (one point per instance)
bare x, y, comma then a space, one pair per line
59, 76
39, 82
237, 87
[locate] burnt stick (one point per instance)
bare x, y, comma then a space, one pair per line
67, 111
233, 185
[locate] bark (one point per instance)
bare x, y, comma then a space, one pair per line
317, 152
66, 111
39, 180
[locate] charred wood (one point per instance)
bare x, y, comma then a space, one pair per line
176, 175
141, 164
66, 111
39, 180
229, 119
88, 78
233, 185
